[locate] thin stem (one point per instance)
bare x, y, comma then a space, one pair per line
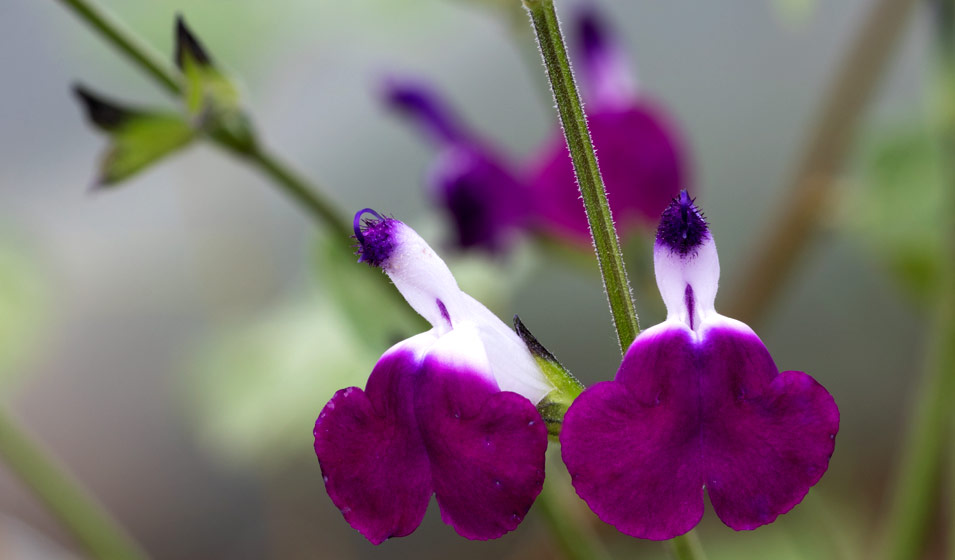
92, 527
826, 149
574, 122
116, 34
917, 489
916, 493
687, 547
576, 540
592, 190
298, 189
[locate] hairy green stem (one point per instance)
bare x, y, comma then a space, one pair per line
92, 527
574, 122
609, 256
919, 485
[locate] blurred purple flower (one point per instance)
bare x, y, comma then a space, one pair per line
697, 403
640, 154
488, 198
478, 188
449, 412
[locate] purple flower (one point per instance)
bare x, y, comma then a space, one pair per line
480, 191
449, 412
639, 151
489, 199
696, 404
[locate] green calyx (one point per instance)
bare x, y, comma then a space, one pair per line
138, 138
566, 387
211, 99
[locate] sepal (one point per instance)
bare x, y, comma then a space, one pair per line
566, 387
212, 100
138, 138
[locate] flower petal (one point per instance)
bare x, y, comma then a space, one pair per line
486, 446
511, 363
606, 72
641, 160
416, 270
767, 437
425, 106
429, 287
686, 263
632, 446
483, 196
477, 187
370, 450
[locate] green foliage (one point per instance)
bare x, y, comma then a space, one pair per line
211, 99
897, 209
257, 389
138, 138
22, 309
142, 141
795, 12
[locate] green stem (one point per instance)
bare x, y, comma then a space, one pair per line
951, 494
575, 538
76, 510
687, 547
592, 190
116, 34
565, 532
916, 494
298, 189
574, 122
917, 490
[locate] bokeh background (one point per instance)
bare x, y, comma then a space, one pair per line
172, 340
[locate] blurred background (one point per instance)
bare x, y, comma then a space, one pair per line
172, 340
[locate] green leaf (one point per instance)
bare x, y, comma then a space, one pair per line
137, 138
256, 390
361, 292
141, 142
898, 210
212, 100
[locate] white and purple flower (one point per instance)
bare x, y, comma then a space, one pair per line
449, 412
697, 403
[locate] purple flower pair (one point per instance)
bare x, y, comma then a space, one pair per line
489, 198
697, 404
